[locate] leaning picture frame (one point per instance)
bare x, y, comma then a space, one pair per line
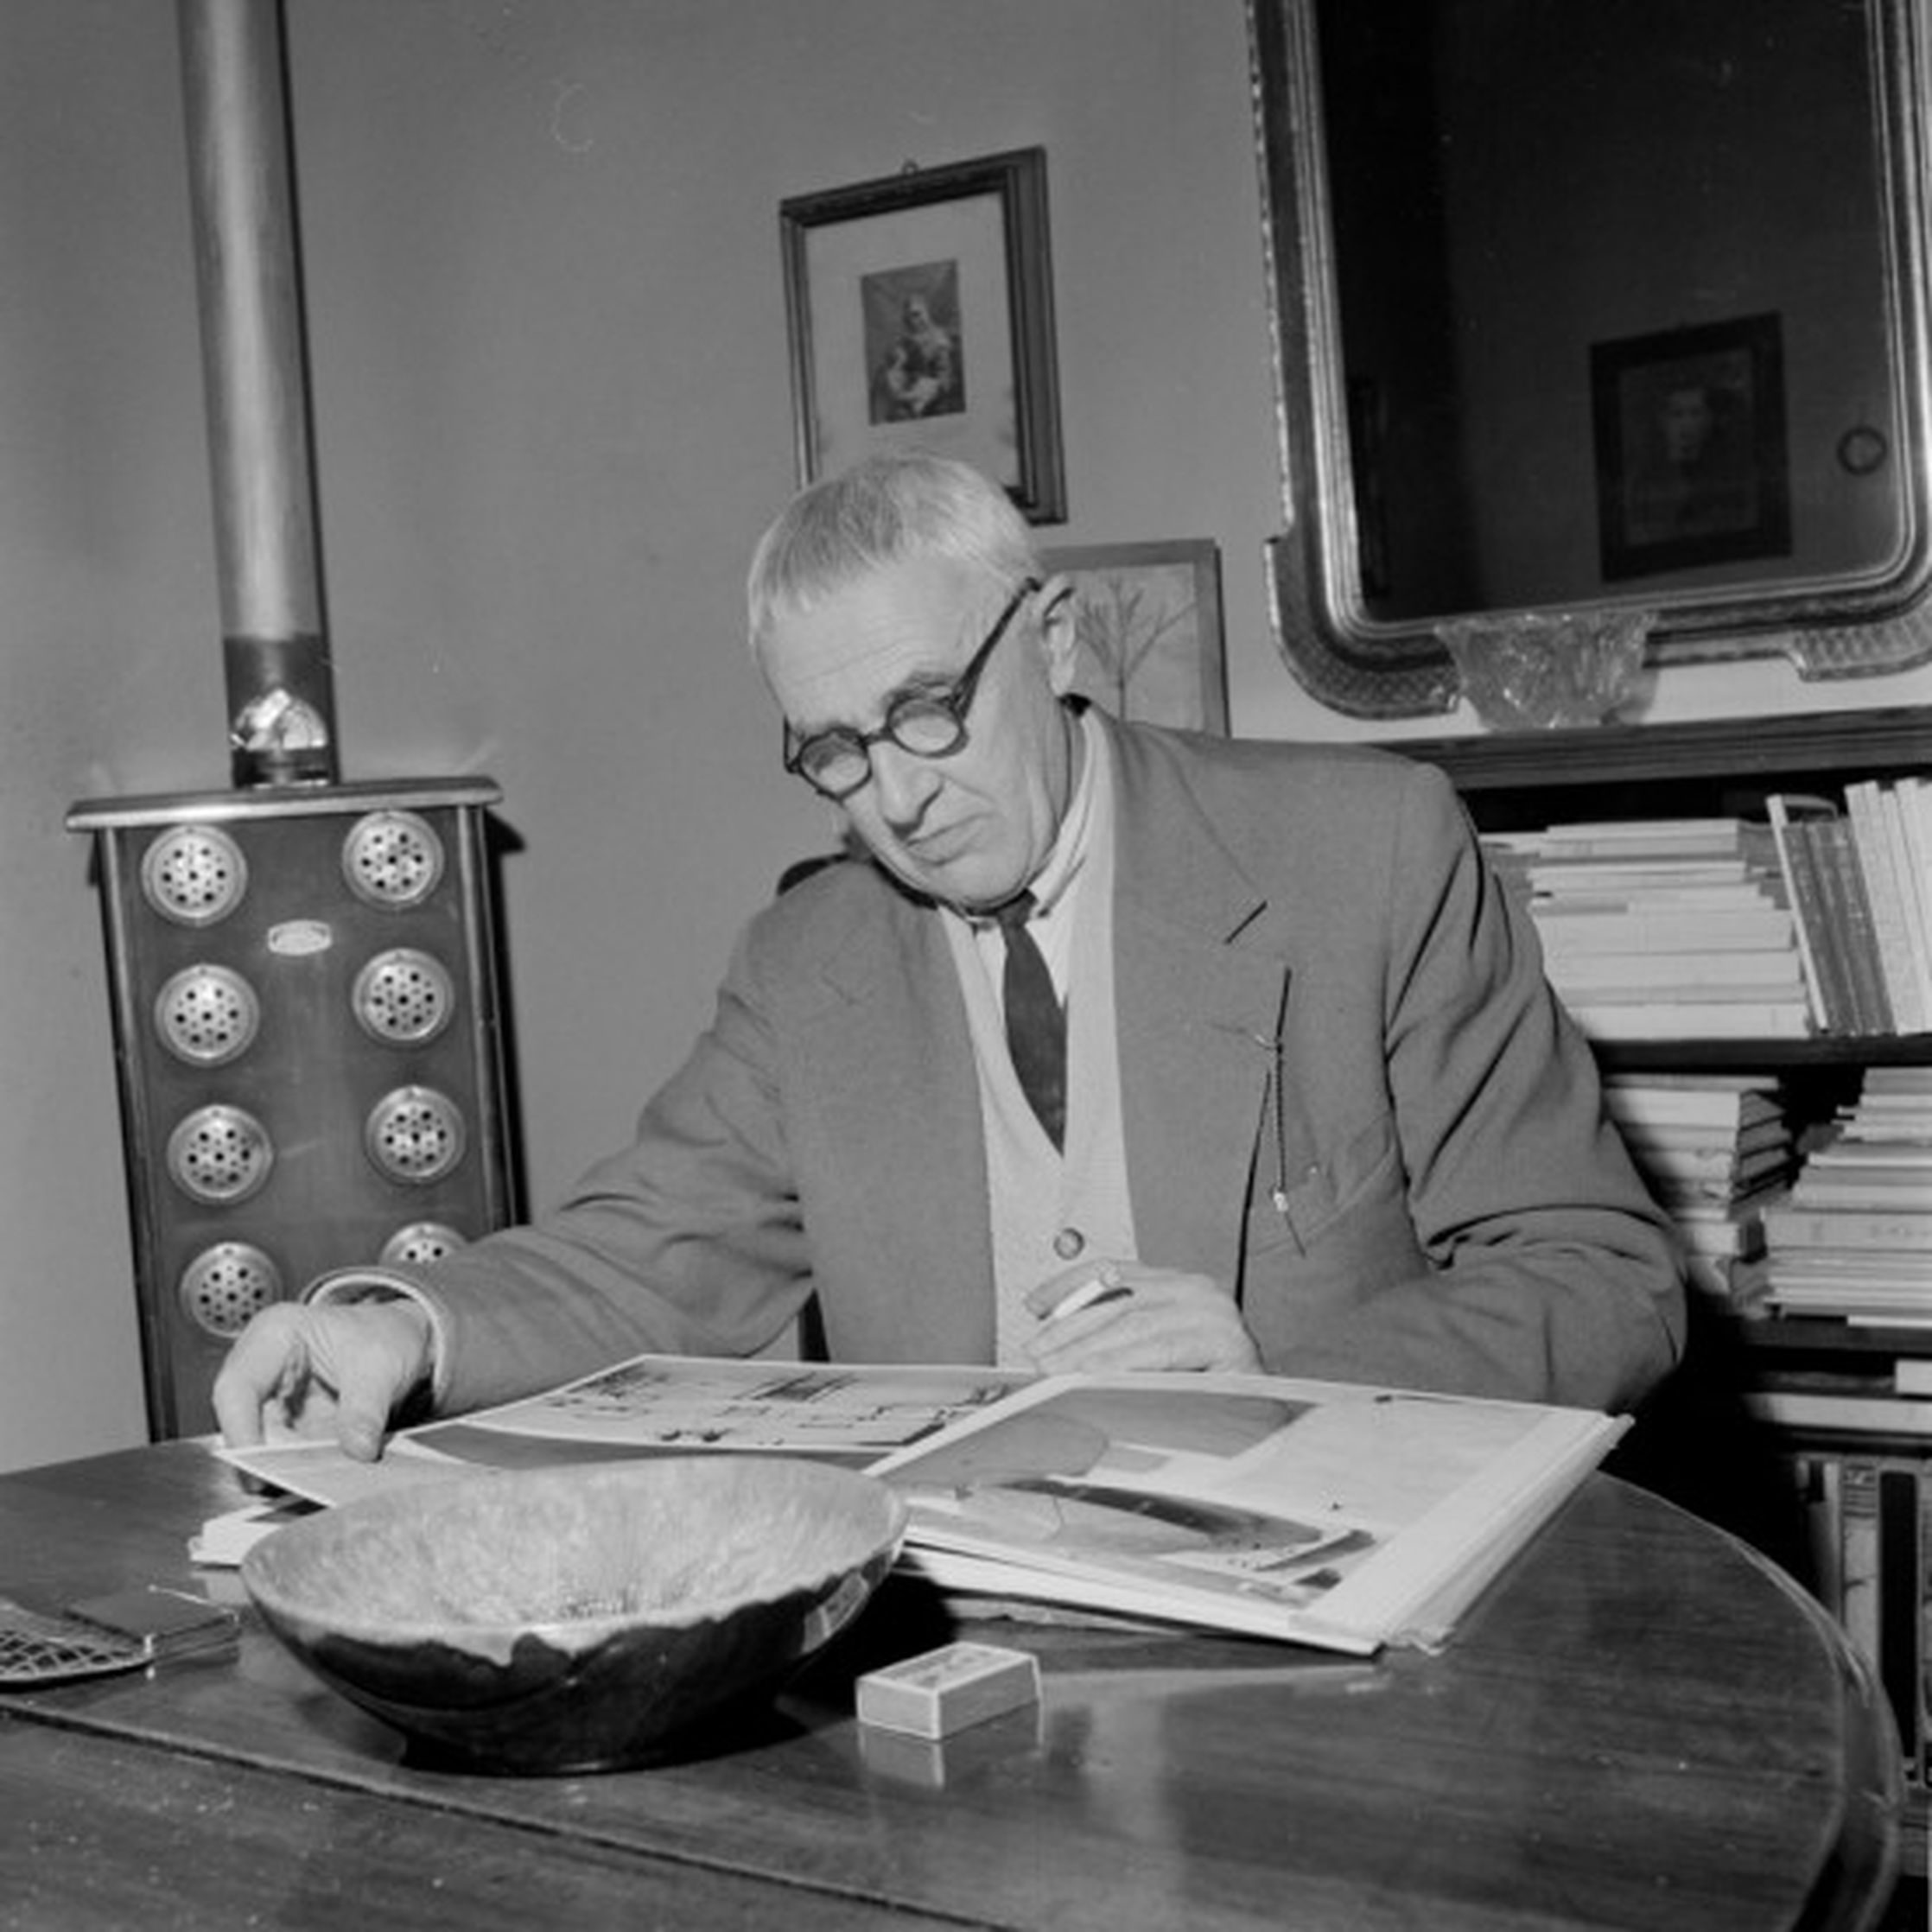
1147, 622
1692, 467
920, 313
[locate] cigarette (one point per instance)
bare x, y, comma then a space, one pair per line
1094, 1290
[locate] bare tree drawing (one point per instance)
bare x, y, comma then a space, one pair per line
1120, 623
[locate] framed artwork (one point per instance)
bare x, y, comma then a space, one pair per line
1690, 446
921, 310
1148, 621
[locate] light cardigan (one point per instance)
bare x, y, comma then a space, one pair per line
1039, 1202
1347, 1092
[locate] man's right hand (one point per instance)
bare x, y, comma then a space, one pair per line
335, 1368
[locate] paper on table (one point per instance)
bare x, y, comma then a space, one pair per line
323, 1473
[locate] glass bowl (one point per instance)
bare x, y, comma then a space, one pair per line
1548, 669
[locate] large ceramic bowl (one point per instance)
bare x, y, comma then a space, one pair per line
581, 1618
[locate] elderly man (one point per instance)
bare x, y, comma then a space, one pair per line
1293, 1094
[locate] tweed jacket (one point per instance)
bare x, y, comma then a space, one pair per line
1347, 1095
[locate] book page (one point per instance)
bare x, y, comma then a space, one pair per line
1324, 1511
655, 1405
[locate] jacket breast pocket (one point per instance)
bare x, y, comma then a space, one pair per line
1360, 1188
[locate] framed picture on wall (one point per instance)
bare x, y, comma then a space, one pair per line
1148, 622
1691, 461
920, 311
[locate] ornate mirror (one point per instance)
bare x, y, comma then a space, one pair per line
1615, 306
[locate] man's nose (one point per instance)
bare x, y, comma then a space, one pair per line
904, 784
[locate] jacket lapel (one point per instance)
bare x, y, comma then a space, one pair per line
1201, 980
900, 1102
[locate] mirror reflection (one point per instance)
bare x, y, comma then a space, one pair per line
1596, 304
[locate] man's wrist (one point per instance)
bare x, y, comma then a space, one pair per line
351, 1286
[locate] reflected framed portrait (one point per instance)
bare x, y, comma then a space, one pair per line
1692, 466
1148, 630
920, 313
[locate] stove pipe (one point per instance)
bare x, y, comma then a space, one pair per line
275, 658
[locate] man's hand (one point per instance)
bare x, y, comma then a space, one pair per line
337, 1368
1114, 1316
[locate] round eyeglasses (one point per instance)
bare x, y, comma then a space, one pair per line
837, 761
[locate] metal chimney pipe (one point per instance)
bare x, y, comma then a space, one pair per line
276, 662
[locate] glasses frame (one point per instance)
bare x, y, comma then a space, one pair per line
955, 701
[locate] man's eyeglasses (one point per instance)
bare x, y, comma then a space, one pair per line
928, 724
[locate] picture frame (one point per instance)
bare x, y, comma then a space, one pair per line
1149, 626
919, 308
1691, 458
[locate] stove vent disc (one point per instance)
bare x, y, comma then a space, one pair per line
207, 1016
225, 1285
194, 875
414, 1134
403, 997
220, 1154
392, 859
421, 1241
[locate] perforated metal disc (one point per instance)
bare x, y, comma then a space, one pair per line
194, 875
220, 1154
414, 1134
392, 859
404, 996
207, 1015
226, 1284
421, 1241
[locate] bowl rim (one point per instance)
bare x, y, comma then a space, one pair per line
575, 1633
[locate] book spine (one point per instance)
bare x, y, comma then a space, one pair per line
1800, 894
1751, 931
1810, 845
1702, 1019
1799, 1227
1900, 1608
1873, 852
1819, 1486
1859, 1556
1845, 890
1915, 892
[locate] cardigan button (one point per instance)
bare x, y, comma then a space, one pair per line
1069, 1243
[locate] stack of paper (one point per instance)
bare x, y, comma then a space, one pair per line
1715, 1150
1855, 1237
1673, 928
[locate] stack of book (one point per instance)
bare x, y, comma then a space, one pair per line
1860, 884
1853, 1237
1716, 1151
1671, 929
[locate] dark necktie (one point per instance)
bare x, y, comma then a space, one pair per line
1036, 1026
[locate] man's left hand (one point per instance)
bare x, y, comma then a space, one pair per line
1163, 1320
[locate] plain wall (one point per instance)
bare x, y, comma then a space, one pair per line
548, 349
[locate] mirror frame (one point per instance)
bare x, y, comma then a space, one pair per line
1373, 668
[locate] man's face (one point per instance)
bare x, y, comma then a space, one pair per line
972, 828
1687, 424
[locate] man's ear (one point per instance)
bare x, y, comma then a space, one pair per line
1058, 605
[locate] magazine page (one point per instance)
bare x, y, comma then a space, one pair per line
1322, 1512
655, 1405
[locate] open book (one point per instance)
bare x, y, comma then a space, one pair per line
1330, 1514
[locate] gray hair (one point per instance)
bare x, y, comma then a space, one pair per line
884, 510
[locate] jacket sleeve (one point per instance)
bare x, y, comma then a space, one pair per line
687, 1242
1540, 1269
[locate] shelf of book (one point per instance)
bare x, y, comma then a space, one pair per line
1527, 778
1845, 1406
